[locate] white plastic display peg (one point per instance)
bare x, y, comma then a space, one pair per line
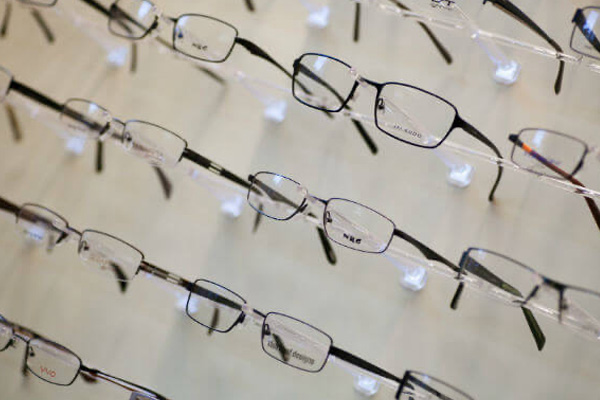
275, 111
507, 73
318, 18
75, 144
461, 175
232, 207
365, 385
414, 279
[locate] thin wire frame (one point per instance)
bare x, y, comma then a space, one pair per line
575, 29
113, 13
368, 208
296, 70
176, 21
262, 335
411, 374
60, 347
253, 179
237, 321
578, 166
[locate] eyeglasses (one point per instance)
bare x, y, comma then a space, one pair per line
55, 364
584, 38
513, 11
553, 154
296, 343
348, 224
516, 284
284, 338
434, 39
404, 112
153, 143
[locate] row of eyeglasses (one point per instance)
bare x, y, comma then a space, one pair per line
404, 112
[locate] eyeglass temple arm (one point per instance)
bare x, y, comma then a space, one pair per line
362, 364
8, 206
250, 5
275, 195
6, 19
213, 167
469, 264
579, 21
515, 12
132, 387
298, 67
426, 251
590, 202
436, 42
13, 121
44, 27
471, 130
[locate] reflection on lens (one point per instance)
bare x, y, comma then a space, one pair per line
132, 19
214, 306
322, 82
276, 196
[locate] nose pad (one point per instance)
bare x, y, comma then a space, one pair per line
328, 218
381, 105
83, 246
303, 208
127, 140
266, 330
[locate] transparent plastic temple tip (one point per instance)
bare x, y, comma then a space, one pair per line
366, 385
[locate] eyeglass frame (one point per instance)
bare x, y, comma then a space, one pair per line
458, 121
579, 14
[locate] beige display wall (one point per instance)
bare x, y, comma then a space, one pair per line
485, 348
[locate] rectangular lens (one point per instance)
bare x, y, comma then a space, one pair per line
109, 255
581, 311
6, 334
5, 81
132, 19
153, 143
563, 151
276, 196
416, 385
203, 37
586, 32
413, 115
295, 343
357, 227
85, 118
499, 276
39, 3
52, 362
322, 82
214, 306
41, 226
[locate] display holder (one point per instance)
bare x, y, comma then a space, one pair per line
506, 69
449, 150
231, 198
318, 15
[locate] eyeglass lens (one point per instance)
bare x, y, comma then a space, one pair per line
276, 196
85, 118
561, 150
586, 38
214, 306
356, 226
203, 37
132, 19
51, 362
